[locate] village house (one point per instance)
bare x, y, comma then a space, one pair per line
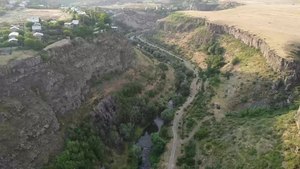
12, 40
75, 22
36, 27
14, 28
13, 35
68, 25
38, 35
72, 24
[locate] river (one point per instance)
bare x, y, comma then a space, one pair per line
145, 141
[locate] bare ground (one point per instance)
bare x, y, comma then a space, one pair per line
20, 16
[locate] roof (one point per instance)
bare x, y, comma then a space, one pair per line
12, 40
36, 24
75, 22
38, 34
14, 27
68, 23
14, 34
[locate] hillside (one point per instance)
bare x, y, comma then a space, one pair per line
243, 117
37, 91
276, 24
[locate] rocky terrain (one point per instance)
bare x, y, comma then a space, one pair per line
36, 91
138, 20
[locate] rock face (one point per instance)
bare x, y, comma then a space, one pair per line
288, 65
35, 91
278, 63
104, 118
187, 24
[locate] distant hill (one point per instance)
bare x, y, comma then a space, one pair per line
3, 2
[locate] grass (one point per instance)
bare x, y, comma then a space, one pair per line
260, 138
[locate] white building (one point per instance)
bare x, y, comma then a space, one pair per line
36, 27
13, 35
72, 24
14, 28
38, 35
12, 40
75, 22
68, 25
34, 19
81, 13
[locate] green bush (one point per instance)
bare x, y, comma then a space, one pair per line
34, 44
83, 31
235, 61
163, 66
201, 134
157, 149
168, 115
84, 149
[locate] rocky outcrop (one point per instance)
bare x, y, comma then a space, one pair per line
35, 91
288, 65
278, 63
181, 25
104, 117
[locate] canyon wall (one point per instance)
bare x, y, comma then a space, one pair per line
35, 91
278, 63
289, 66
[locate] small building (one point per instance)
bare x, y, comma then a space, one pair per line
12, 40
114, 27
75, 22
14, 28
38, 35
34, 19
68, 25
13, 35
36, 27
81, 13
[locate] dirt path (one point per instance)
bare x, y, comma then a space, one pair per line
194, 89
193, 132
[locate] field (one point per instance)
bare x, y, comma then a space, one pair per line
277, 24
20, 16
266, 1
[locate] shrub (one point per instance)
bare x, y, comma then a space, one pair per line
83, 149
167, 115
235, 61
34, 44
201, 134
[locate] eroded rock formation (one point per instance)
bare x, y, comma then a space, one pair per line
36, 90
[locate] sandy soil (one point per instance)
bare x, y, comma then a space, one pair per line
264, 1
277, 24
20, 16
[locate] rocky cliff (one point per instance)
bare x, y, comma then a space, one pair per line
278, 63
288, 65
35, 91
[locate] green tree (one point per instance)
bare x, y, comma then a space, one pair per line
34, 44
83, 31
127, 131
167, 115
